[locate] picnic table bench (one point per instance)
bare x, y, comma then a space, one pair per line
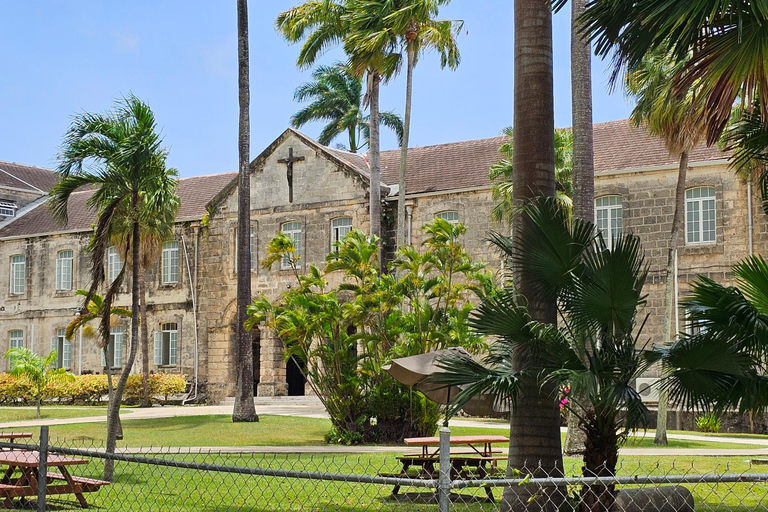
26, 463
479, 460
12, 436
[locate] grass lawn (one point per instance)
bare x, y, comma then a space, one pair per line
144, 487
50, 412
215, 430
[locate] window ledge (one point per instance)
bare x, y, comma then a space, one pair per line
703, 248
167, 366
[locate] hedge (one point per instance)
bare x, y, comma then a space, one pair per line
92, 388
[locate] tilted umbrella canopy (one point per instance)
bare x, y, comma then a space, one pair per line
413, 370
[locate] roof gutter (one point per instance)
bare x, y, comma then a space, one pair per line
443, 192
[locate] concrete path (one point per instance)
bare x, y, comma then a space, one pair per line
311, 407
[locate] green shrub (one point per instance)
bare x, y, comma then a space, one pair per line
92, 388
708, 423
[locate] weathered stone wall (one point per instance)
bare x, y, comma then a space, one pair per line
42, 309
648, 206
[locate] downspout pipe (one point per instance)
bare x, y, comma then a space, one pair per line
193, 290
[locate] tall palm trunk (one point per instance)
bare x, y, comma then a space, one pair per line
244, 409
113, 411
669, 289
583, 162
374, 157
404, 148
535, 422
144, 342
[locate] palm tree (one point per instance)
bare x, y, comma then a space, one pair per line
501, 174
94, 310
747, 137
679, 121
583, 159
722, 366
41, 371
535, 424
592, 348
337, 96
131, 185
413, 23
718, 33
324, 23
243, 409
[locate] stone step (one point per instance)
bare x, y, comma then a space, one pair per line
278, 400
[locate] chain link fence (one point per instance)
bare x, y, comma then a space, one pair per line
71, 475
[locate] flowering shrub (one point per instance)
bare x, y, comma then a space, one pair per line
92, 388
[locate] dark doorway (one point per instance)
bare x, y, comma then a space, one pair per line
294, 377
256, 341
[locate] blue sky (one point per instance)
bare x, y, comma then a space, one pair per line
63, 58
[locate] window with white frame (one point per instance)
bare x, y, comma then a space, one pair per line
114, 265
170, 262
293, 231
63, 349
166, 344
64, 261
608, 218
339, 229
451, 216
7, 208
18, 274
16, 340
115, 347
700, 225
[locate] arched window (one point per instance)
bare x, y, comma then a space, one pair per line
700, 225
339, 229
608, 217
170, 262
451, 216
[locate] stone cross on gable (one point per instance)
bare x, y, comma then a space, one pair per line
289, 163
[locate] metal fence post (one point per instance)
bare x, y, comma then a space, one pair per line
42, 469
444, 476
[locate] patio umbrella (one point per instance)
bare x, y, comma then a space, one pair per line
413, 370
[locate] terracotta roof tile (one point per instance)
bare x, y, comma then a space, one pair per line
26, 177
195, 193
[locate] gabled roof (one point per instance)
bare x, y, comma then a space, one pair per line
26, 177
195, 193
355, 165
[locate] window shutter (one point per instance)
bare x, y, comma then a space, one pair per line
158, 348
66, 358
172, 351
54, 340
103, 359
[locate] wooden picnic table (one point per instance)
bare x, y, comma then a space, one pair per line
14, 435
479, 455
26, 463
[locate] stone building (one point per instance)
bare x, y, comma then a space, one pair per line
192, 293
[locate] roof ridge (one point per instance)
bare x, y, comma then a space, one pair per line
27, 165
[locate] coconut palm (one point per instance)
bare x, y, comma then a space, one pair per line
722, 366
413, 23
322, 24
501, 174
678, 120
592, 349
243, 409
131, 184
40, 371
719, 34
337, 96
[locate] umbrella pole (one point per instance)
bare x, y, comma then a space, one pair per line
445, 423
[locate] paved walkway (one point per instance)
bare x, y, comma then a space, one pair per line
312, 408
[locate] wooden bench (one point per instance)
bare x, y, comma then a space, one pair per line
87, 484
